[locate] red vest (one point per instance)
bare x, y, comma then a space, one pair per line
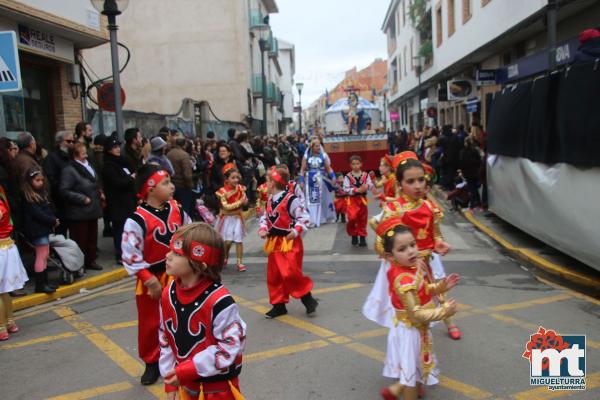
399, 275
419, 218
279, 220
188, 317
159, 227
356, 183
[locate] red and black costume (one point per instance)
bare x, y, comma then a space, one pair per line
285, 214
357, 211
202, 338
145, 244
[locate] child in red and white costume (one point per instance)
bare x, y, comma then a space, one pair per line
356, 184
145, 244
410, 357
283, 224
12, 272
230, 224
341, 200
202, 336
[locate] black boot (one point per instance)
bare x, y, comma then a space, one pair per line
343, 218
151, 374
354, 240
310, 303
337, 218
50, 285
40, 284
363, 242
277, 311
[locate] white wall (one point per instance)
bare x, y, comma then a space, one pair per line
78, 11
197, 49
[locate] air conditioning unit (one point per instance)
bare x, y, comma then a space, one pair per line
461, 89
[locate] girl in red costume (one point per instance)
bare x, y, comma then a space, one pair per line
410, 357
282, 224
145, 244
385, 187
356, 184
12, 273
202, 336
230, 225
340, 202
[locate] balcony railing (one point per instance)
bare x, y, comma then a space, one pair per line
273, 47
256, 18
257, 86
271, 93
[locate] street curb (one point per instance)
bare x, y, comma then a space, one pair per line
591, 284
37, 299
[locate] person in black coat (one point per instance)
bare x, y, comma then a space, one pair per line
38, 223
53, 166
451, 146
118, 189
81, 193
470, 164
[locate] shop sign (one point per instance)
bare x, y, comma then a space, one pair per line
394, 116
486, 77
45, 42
10, 71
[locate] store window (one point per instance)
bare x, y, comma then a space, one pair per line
30, 109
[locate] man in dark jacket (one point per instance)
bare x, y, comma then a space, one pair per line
119, 190
450, 145
183, 176
133, 149
236, 147
589, 46
53, 165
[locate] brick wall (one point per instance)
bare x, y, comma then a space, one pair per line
67, 109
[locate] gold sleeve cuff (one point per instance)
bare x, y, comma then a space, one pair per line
418, 314
439, 287
231, 206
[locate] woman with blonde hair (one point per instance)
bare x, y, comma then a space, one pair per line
318, 183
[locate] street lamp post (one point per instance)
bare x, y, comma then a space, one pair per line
112, 8
385, 90
263, 43
300, 86
418, 68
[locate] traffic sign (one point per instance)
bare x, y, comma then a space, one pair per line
10, 71
106, 97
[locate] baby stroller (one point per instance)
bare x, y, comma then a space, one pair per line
65, 256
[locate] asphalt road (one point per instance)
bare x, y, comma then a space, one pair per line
85, 346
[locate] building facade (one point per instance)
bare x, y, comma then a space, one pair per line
50, 36
206, 53
438, 48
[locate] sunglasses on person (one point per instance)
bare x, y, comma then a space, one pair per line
13, 149
70, 141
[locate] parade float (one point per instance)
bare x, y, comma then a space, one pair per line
349, 124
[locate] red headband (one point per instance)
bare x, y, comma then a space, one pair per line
151, 182
387, 225
198, 252
276, 176
228, 167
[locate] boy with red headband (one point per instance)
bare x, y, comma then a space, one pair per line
202, 336
282, 224
146, 238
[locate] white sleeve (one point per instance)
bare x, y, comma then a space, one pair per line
369, 182
132, 248
230, 332
299, 194
347, 186
166, 362
300, 214
262, 221
186, 219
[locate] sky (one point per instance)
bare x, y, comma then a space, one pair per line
331, 37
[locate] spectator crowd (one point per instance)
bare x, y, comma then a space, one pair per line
86, 178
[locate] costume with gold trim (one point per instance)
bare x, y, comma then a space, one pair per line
261, 198
230, 223
410, 355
